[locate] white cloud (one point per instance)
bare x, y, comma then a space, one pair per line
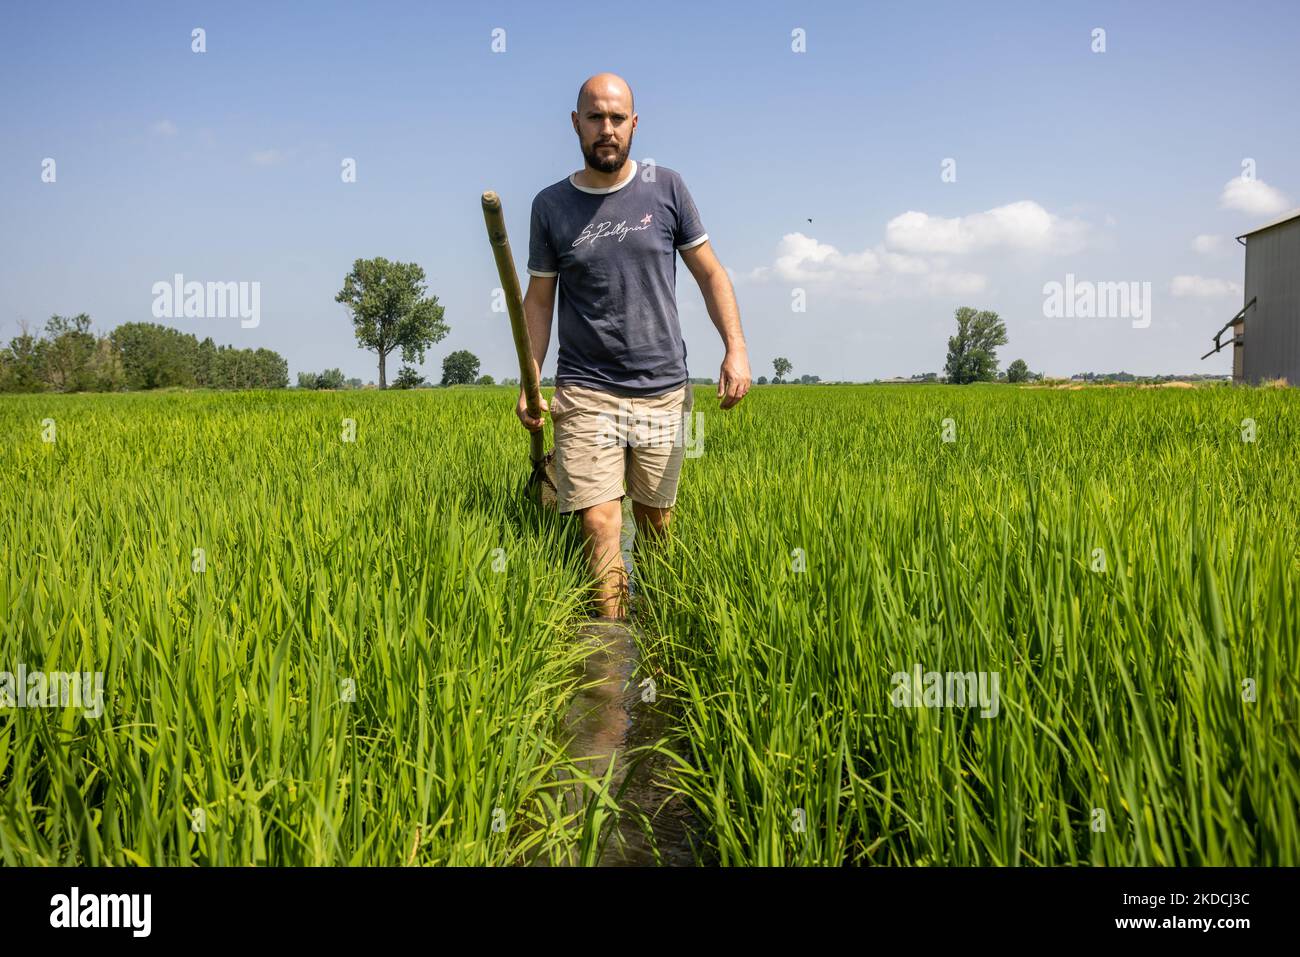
1252, 196
163, 128
267, 157
915, 257
1210, 245
1200, 287
874, 272
801, 258
1021, 225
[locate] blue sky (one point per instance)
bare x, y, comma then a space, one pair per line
225, 165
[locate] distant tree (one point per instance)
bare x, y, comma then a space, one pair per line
69, 347
548, 381
510, 381
460, 368
207, 364
782, 366
391, 311
104, 370
1018, 371
354, 383
972, 352
485, 380
331, 379
408, 378
809, 379
762, 380
22, 364
273, 370
156, 357
234, 368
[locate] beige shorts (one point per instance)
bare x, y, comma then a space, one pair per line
601, 440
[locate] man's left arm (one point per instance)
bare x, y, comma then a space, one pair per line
720, 300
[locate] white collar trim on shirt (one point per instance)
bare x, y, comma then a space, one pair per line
604, 189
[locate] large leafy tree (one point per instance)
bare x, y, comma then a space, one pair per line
782, 365
391, 311
460, 368
972, 352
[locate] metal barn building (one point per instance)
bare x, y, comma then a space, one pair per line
1266, 332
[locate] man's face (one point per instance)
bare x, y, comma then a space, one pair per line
604, 125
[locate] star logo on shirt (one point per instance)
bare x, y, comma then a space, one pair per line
645, 221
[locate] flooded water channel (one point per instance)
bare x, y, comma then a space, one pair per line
615, 713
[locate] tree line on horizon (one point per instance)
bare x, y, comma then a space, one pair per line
66, 356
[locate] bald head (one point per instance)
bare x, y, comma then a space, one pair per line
605, 86
605, 121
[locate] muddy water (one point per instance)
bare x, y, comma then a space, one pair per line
611, 716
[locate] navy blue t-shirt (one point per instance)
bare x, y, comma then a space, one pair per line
614, 250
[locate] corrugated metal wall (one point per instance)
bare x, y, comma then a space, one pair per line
1272, 346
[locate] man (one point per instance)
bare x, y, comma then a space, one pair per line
606, 236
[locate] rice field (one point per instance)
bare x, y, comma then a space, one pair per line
330, 631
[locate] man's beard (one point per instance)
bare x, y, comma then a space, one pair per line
605, 161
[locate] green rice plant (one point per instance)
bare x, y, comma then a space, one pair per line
366, 663
370, 659
1123, 560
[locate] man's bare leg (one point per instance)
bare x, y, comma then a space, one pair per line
601, 528
651, 526
651, 522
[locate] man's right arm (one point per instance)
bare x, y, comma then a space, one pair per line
539, 307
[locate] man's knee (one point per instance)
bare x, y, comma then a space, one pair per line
603, 521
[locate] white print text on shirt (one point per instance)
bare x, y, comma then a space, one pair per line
609, 229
